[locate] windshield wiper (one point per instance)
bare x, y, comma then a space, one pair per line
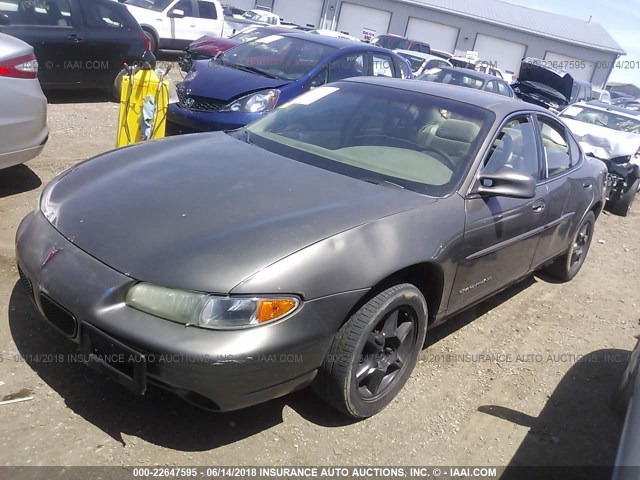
252, 70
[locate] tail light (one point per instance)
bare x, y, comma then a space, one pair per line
147, 42
25, 66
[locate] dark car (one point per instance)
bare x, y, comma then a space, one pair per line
78, 44
396, 42
465, 77
542, 84
313, 246
208, 46
252, 79
627, 403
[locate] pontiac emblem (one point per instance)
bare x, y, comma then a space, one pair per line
52, 253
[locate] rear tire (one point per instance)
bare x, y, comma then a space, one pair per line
569, 264
374, 353
623, 206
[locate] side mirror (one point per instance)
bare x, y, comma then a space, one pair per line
320, 79
4, 20
176, 13
505, 182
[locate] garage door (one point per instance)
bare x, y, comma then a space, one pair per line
355, 19
507, 55
243, 4
437, 35
302, 13
572, 65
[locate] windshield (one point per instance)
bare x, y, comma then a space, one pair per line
415, 62
602, 118
378, 134
155, 5
286, 58
452, 77
392, 43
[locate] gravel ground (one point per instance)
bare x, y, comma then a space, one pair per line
535, 389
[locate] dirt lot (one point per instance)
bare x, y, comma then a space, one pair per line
527, 400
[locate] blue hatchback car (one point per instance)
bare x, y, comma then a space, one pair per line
252, 79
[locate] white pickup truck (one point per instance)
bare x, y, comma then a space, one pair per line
174, 24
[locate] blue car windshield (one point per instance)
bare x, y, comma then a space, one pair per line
276, 56
377, 133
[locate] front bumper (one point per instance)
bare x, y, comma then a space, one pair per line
182, 118
220, 370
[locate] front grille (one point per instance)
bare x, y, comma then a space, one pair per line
58, 316
198, 104
26, 282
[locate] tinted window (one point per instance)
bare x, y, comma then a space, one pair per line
207, 10
424, 48
155, 5
503, 89
492, 87
435, 64
347, 66
186, 6
556, 150
420, 142
101, 15
50, 13
382, 65
515, 147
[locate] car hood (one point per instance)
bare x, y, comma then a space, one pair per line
206, 211
602, 142
532, 71
213, 80
212, 45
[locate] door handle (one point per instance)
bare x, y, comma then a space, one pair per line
539, 206
587, 186
76, 38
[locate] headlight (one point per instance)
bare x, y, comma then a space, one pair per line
263, 101
209, 311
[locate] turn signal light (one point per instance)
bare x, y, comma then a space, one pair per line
271, 309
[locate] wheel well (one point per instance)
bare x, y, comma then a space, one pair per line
151, 30
597, 209
426, 277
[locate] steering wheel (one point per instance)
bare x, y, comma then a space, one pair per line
442, 156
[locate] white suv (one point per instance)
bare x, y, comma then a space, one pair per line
174, 24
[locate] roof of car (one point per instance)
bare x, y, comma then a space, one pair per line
500, 104
607, 106
472, 73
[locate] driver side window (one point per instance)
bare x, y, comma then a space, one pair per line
186, 6
515, 147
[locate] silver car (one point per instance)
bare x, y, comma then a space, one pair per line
23, 117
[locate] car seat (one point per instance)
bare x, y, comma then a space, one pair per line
454, 137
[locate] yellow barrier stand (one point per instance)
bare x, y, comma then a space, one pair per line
143, 87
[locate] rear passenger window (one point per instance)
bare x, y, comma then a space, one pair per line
515, 147
492, 87
556, 150
100, 15
382, 65
503, 89
207, 10
50, 13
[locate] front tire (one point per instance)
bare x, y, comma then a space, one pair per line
568, 265
374, 352
623, 206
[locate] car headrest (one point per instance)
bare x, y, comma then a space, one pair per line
458, 130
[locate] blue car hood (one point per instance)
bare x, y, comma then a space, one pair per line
212, 80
